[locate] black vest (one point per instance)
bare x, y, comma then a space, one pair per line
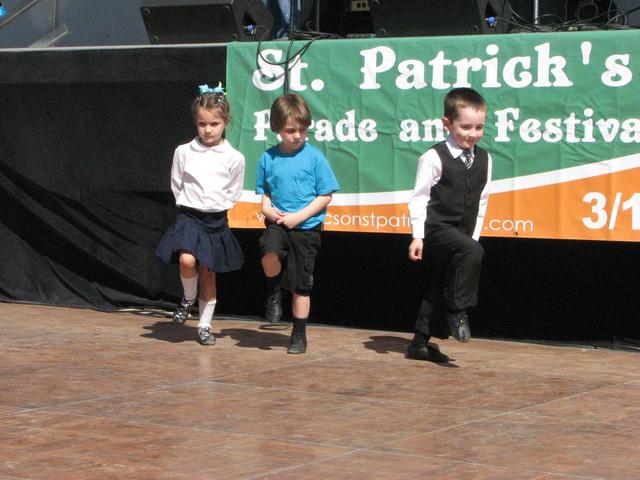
456, 197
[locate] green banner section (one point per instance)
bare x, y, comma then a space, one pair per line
563, 125
556, 100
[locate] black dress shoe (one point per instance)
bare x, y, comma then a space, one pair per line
428, 354
273, 308
298, 336
459, 326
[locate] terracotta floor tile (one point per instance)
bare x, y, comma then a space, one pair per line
378, 466
119, 395
383, 466
531, 442
53, 444
619, 404
417, 382
280, 413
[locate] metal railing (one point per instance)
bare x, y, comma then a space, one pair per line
55, 33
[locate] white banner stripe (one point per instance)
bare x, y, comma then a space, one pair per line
570, 174
349, 199
604, 167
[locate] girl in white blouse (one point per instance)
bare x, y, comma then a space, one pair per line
206, 180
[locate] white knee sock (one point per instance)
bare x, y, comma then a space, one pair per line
207, 314
201, 304
189, 286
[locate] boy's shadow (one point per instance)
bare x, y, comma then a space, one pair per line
385, 344
265, 339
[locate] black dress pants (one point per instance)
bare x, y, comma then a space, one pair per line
453, 263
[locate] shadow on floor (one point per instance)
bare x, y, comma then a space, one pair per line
266, 338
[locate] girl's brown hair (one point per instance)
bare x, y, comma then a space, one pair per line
212, 101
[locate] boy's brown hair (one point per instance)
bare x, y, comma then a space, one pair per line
462, 97
289, 105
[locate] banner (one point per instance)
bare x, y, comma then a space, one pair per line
563, 125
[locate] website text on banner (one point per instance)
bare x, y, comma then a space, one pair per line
563, 126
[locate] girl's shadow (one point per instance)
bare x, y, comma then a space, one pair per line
169, 332
265, 339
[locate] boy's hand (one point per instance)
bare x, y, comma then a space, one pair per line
415, 249
274, 215
290, 220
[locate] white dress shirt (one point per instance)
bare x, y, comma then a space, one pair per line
428, 175
209, 179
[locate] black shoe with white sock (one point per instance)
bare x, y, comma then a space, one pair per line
205, 337
182, 311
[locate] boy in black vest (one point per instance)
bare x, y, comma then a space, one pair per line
447, 210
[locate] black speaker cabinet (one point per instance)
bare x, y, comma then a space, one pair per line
205, 21
550, 12
593, 11
570, 13
423, 18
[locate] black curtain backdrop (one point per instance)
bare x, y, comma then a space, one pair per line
86, 141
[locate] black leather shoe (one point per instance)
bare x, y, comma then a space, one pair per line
298, 337
428, 354
459, 326
273, 308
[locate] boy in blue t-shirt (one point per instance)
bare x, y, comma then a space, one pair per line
296, 184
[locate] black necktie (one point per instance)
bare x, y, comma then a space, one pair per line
467, 158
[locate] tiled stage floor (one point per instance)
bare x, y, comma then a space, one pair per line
89, 395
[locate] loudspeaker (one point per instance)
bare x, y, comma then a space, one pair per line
418, 18
629, 5
566, 13
205, 21
550, 12
596, 11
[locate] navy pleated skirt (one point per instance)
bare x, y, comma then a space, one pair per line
205, 235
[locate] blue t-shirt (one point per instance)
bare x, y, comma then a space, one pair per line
293, 180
